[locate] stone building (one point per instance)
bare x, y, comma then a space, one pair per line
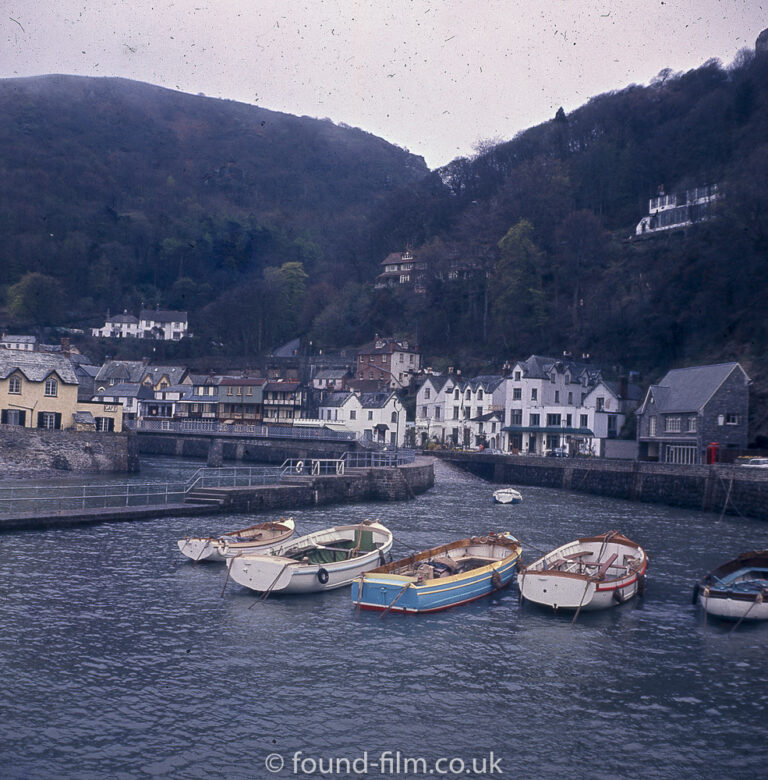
692, 410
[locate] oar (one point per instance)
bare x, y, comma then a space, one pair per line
266, 593
228, 564
394, 600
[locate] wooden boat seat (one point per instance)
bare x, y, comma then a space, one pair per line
576, 555
606, 565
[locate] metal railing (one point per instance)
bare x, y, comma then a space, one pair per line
67, 499
239, 429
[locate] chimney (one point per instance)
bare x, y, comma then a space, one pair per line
65, 347
145, 361
623, 387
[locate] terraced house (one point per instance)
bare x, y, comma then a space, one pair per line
39, 390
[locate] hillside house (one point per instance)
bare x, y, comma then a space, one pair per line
118, 326
240, 399
692, 408
388, 361
283, 401
19, 343
678, 210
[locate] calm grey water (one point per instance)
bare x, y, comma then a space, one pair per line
121, 659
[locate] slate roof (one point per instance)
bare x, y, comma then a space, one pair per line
163, 315
19, 339
36, 366
126, 318
539, 366
126, 390
282, 387
374, 400
174, 373
124, 370
688, 389
331, 373
336, 399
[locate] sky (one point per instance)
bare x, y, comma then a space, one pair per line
436, 77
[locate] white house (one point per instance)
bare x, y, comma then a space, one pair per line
19, 343
677, 210
163, 325
451, 409
372, 416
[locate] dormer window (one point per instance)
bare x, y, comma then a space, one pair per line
51, 388
14, 385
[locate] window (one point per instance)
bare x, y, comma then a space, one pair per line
49, 420
691, 425
516, 417
557, 396
426, 392
570, 398
479, 411
456, 394
13, 417
455, 412
553, 419
105, 424
467, 411
468, 394
480, 395
732, 419
517, 393
353, 414
534, 394
14, 385
517, 376
652, 426
383, 358
370, 415
568, 420
437, 412
423, 411
672, 424
230, 390
533, 420
584, 421
51, 387
600, 403
612, 426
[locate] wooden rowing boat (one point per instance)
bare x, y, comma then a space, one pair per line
738, 589
590, 573
441, 577
318, 561
256, 538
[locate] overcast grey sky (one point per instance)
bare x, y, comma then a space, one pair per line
435, 77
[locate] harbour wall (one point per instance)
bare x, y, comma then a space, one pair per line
356, 485
31, 450
732, 490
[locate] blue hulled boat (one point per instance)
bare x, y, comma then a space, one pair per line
441, 577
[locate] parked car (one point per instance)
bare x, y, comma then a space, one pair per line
558, 452
756, 463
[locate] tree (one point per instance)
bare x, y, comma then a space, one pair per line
36, 299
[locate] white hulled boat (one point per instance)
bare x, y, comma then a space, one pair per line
256, 538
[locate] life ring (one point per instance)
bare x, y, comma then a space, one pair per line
322, 576
300, 467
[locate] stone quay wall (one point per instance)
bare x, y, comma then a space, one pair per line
364, 484
734, 490
30, 451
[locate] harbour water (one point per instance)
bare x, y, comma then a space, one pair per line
121, 659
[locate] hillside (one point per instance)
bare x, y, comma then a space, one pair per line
536, 234
120, 193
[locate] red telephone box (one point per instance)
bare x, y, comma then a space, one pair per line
713, 452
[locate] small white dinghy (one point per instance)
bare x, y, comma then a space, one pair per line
256, 538
591, 573
507, 496
318, 561
738, 589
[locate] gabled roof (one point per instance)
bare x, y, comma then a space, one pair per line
331, 373
282, 387
175, 374
125, 390
336, 399
375, 400
163, 315
540, 366
127, 319
36, 366
124, 370
689, 389
488, 416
